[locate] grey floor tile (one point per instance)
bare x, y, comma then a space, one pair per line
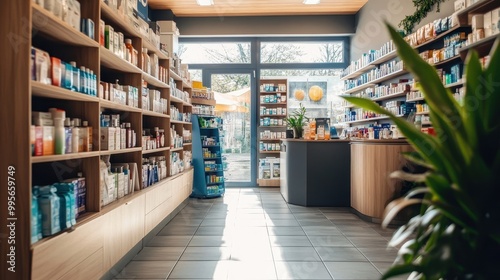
368, 232
295, 254
191, 215
350, 222
285, 231
218, 231
206, 254
301, 270
306, 216
290, 241
340, 254
201, 269
250, 211
217, 222
279, 216
271, 208
368, 242
282, 223
146, 269
159, 254
264, 270
379, 254
211, 241
250, 223
384, 266
185, 221
178, 230
335, 209
341, 216
321, 230
330, 240
169, 241
352, 270
254, 253
316, 222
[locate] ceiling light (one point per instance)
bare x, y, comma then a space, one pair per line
205, 2
311, 2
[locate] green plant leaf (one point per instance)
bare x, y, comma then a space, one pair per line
400, 269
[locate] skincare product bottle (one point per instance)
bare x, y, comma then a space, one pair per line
76, 77
83, 81
87, 141
129, 135
59, 131
75, 136
129, 50
68, 132
93, 83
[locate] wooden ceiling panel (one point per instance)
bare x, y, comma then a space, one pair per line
187, 8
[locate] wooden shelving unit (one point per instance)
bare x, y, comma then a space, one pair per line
273, 129
104, 234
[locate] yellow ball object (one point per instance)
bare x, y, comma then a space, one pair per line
299, 94
315, 93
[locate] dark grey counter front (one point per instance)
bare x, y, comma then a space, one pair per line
316, 173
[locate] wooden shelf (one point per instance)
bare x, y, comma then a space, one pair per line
358, 72
122, 151
201, 101
272, 92
175, 75
359, 88
415, 99
482, 46
113, 18
185, 84
187, 144
479, 7
152, 48
388, 56
179, 122
49, 25
176, 149
144, 152
390, 76
369, 120
281, 116
271, 104
41, 159
453, 85
178, 100
268, 182
446, 61
390, 96
422, 113
112, 61
49, 91
115, 106
273, 140
154, 81
154, 114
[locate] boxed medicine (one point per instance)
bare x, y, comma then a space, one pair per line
495, 21
108, 138
48, 140
477, 22
460, 5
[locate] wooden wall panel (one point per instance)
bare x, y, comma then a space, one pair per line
90, 268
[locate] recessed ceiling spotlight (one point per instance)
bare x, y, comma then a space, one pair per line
206, 2
311, 2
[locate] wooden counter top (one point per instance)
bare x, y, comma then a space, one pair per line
379, 141
315, 141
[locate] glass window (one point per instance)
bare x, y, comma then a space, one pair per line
196, 74
317, 89
215, 53
300, 52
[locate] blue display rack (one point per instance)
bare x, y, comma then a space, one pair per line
207, 160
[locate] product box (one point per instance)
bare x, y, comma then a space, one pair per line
42, 66
477, 22
118, 138
74, 14
38, 149
460, 5
121, 45
487, 24
102, 26
109, 34
495, 21
108, 135
132, 96
55, 71
142, 9
116, 43
87, 26
42, 121
48, 140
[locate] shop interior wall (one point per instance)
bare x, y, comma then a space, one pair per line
370, 29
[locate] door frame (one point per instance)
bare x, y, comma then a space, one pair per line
207, 81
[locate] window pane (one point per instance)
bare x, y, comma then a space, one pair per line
298, 52
196, 74
328, 106
215, 53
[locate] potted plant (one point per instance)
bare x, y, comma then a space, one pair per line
457, 233
297, 120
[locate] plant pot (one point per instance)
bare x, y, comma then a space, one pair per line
297, 133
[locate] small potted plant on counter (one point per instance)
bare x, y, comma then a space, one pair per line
297, 120
457, 233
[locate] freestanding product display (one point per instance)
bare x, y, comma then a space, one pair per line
207, 157
272, 128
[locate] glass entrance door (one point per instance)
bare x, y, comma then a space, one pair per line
233, 94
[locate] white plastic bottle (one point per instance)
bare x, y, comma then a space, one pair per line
76, 136
60, 135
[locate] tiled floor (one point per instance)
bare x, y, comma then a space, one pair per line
255, 234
